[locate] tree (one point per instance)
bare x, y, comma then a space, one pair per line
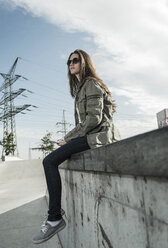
47, 144
8, 144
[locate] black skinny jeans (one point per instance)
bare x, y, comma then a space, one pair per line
53, 179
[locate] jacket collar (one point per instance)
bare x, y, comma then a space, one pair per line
80, 85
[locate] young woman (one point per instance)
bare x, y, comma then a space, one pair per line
94, 110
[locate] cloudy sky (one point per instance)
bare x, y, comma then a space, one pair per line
127, 41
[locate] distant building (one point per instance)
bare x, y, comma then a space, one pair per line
162, 118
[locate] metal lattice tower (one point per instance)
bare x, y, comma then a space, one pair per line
64, 125
9, 111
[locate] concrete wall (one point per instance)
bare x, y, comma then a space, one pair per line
114, 211
114, 197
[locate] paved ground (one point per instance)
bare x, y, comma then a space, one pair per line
20, 183
23, 204
18, 226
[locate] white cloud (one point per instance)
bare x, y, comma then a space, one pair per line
135, 33
131, 40
129, 128
147, 104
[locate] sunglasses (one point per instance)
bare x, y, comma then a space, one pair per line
74, 61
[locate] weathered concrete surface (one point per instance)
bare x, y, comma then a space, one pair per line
106, 210
141, 155
114, 197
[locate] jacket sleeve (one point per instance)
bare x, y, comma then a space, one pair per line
94, 109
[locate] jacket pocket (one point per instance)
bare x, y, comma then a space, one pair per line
100, 138
82, 106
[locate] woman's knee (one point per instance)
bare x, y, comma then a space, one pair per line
46, 161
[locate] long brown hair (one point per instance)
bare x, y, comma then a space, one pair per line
87, 71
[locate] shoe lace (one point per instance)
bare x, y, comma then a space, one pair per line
44, 226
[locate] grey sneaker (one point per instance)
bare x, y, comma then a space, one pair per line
47, 231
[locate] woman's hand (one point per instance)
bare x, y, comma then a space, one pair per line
62, 142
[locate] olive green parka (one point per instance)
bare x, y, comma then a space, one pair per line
93, 115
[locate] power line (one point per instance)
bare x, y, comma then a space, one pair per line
45, 66
48, 87
55, 99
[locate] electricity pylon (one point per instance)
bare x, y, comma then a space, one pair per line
7, 116
64, 125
